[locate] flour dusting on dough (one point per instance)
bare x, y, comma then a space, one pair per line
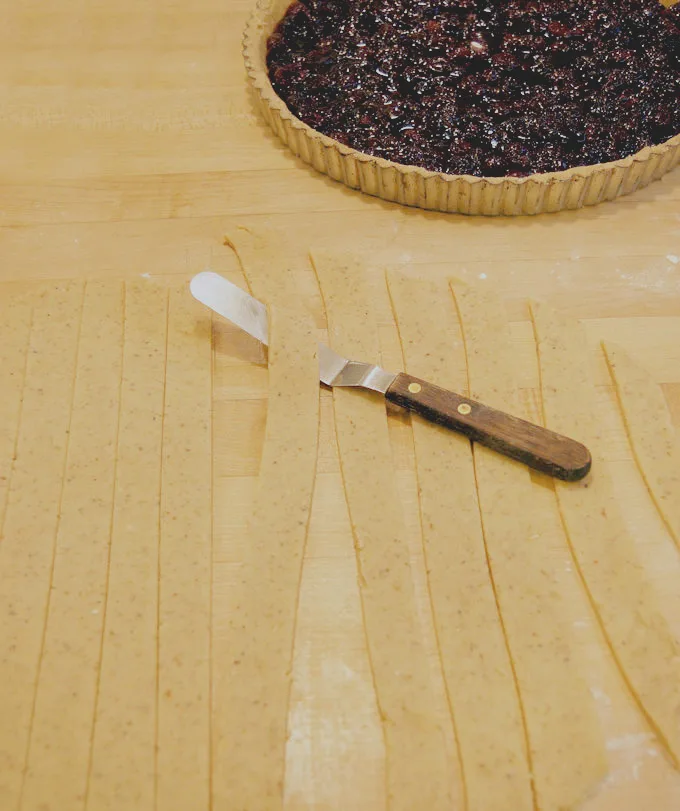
600, 696
632, 741
337, 671
632, 751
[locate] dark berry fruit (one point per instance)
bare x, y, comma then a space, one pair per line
483, 87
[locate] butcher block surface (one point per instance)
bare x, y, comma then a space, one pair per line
129, 147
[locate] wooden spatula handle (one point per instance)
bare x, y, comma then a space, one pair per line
535, 446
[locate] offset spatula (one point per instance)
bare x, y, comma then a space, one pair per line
535, 446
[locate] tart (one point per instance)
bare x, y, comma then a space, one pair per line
475, 106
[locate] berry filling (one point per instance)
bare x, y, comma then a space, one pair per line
483, 87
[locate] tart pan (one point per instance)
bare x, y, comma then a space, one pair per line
413, 186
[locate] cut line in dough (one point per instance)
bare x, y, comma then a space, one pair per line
475, 661
651, 434
123, 757
623, 600
56, 775
419, 773
521, 531
16, 316
32, 519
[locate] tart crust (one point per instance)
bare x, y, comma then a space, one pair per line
413, 186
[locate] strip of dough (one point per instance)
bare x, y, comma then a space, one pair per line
623, 599
123, 765
15, 328
258, 677
476, 664
185, 561
59, 750
31, 520
520, 529
418, 774
655, 443
255, 653
278, 272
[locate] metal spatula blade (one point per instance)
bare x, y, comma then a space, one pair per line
533, 445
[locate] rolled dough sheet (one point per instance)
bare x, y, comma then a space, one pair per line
59, 749
253, 657
185, 561
123, 765
31, 519
477, 668
418, 772
521, 528
652, 436
623, 600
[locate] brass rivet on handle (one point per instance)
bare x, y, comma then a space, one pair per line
464, 408
414, 388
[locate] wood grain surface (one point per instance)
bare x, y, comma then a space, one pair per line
129, 146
